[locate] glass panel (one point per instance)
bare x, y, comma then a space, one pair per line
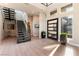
67, 8
50, 28
66, 25
54, 21
52, 32
53, 12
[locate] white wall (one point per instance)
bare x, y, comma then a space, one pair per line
75, 24
35, 21
30, 19
20, 15
1, 27
42, 23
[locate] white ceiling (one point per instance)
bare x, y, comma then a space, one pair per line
56, 5
32, 8
28, 8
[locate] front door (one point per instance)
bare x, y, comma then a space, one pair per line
52, 29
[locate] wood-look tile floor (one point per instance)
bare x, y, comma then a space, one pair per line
35, 47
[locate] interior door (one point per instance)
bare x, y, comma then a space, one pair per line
52, 29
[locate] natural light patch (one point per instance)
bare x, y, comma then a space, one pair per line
55, 49
69, 51
50, 46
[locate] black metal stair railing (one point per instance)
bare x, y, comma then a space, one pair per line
23, 34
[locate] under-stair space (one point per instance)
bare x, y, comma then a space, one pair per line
9, 28
9, 22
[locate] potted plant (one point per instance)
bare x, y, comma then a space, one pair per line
63, 38
43, 34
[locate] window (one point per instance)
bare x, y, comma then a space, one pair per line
53, 12
66, 25
67, 8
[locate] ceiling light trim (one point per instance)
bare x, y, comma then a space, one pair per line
46, 4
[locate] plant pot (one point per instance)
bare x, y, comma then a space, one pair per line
43, 34
63, 38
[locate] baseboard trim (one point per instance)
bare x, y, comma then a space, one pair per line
73, 44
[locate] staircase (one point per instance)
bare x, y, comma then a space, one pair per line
23, 33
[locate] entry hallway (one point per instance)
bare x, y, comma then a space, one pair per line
36, 47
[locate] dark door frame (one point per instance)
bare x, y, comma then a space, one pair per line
52, 27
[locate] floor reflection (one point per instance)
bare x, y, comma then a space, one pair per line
54, 48
67, 50
50, 46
